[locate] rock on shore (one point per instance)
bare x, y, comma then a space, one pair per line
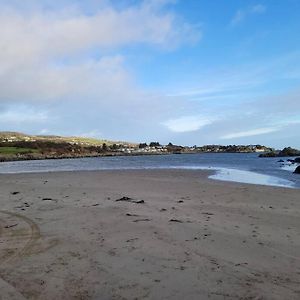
297, 170
288, 151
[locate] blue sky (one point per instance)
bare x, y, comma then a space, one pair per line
189, 72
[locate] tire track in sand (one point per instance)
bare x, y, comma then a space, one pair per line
8, 291
33, 235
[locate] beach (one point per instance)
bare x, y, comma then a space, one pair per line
146, 234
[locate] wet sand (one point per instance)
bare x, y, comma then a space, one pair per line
64, 236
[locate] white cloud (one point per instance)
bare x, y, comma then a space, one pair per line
22, 115
242, 14
258, 131
59, 54
30, 38
98, 79
187, 123
237, 82
258, 9
238, 17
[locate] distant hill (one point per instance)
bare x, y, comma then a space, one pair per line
20, 146
7, 134
10, 136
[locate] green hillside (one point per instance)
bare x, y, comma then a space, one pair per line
7, 136
16, 150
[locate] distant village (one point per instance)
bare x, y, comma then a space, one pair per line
18, 146
155, 147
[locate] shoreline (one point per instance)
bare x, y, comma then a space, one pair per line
110, 154
31, 157
88, 235
216, 173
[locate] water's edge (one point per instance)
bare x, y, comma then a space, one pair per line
222, 174
242, 168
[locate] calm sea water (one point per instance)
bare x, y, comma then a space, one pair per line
238, 167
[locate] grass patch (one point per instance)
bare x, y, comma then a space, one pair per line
16, 150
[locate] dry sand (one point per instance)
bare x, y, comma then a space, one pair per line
63, 236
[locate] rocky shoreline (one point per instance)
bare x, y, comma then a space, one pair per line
68, 156
293, 163
286, 152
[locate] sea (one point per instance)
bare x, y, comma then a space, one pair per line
237, 167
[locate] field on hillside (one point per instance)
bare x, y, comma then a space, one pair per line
16, 150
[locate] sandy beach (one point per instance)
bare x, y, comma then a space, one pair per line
172, 235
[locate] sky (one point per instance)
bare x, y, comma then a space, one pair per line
190, 72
